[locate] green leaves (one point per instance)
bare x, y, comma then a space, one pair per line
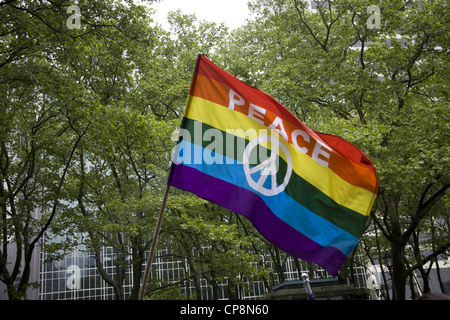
86, 117
379, 88
69, 106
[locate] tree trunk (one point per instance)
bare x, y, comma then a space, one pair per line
399, 273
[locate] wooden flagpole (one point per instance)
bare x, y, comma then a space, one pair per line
154, 243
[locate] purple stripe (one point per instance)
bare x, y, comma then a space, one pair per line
251, 206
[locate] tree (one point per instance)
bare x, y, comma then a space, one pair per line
118, 188
89, 102
116, 180
55, 73
119, 178
203, 235
37, 137
380, 86
211, 242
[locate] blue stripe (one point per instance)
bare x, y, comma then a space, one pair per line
284, 207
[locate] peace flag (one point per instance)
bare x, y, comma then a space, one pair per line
308, 193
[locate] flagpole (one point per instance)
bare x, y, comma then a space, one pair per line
154, 243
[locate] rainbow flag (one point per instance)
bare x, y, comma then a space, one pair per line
308, 193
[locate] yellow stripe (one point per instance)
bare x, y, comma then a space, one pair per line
324, 179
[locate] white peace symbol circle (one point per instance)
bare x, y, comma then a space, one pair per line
267, 168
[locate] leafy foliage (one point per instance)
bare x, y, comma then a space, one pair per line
87, 115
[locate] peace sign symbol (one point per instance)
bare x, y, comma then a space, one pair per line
267, 168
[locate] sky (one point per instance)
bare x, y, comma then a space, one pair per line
231, 12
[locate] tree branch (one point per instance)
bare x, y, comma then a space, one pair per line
435, 253
424, 207
322, 45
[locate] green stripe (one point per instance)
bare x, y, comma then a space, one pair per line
298, 188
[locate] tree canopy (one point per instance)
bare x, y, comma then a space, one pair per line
91, 94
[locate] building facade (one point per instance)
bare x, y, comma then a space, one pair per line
75, 277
